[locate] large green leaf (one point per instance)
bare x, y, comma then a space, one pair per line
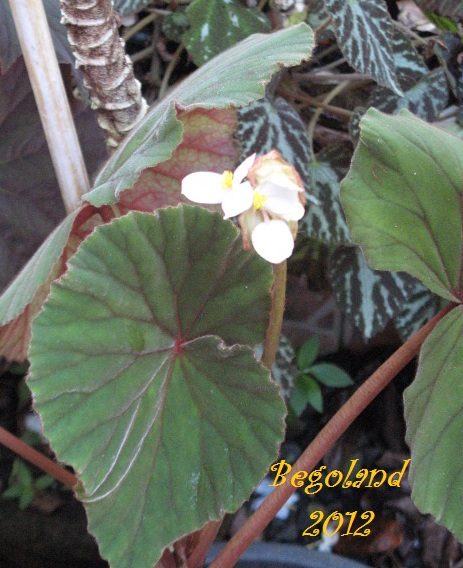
166, 426
402, 199
364, 31
215, 26
434, 416
235, 77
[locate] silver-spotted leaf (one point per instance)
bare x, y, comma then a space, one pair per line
409, 65
266, 125
215, 26
165, 425
427, 98
420, 307
363, 29
370, 298
325, 221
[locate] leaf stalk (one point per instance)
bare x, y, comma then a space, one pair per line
325, 440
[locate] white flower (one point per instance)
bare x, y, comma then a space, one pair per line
273, 241
228, 188
269, 203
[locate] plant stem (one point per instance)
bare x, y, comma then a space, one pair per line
39, 54
313, 121
325, 440
139, 26
272, 336
165, 80
207, 537
33, 456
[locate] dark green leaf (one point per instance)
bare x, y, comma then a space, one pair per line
265, 125
165, 425
314, 394
363, 29
174, 25
434, 417
402, 199
307, 353
331, 375
233, 78
215, 26
306, 391
370, 298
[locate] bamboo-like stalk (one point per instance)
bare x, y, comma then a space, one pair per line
50, 95
115, 94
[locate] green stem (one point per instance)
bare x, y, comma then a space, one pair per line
272, 336
324, 441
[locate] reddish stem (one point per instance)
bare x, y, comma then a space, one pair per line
325, 440
33, 456
207, 537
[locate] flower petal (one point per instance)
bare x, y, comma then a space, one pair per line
283, 201
273, 241
242, 170
237, 200
203, 187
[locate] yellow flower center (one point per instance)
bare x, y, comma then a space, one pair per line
227, 179
259, 200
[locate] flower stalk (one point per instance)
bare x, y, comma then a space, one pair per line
272, 335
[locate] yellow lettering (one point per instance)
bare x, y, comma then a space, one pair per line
361, 476
334, 473
396, 482
278, 467
299, 475
372, 476
351, 469
313, 478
